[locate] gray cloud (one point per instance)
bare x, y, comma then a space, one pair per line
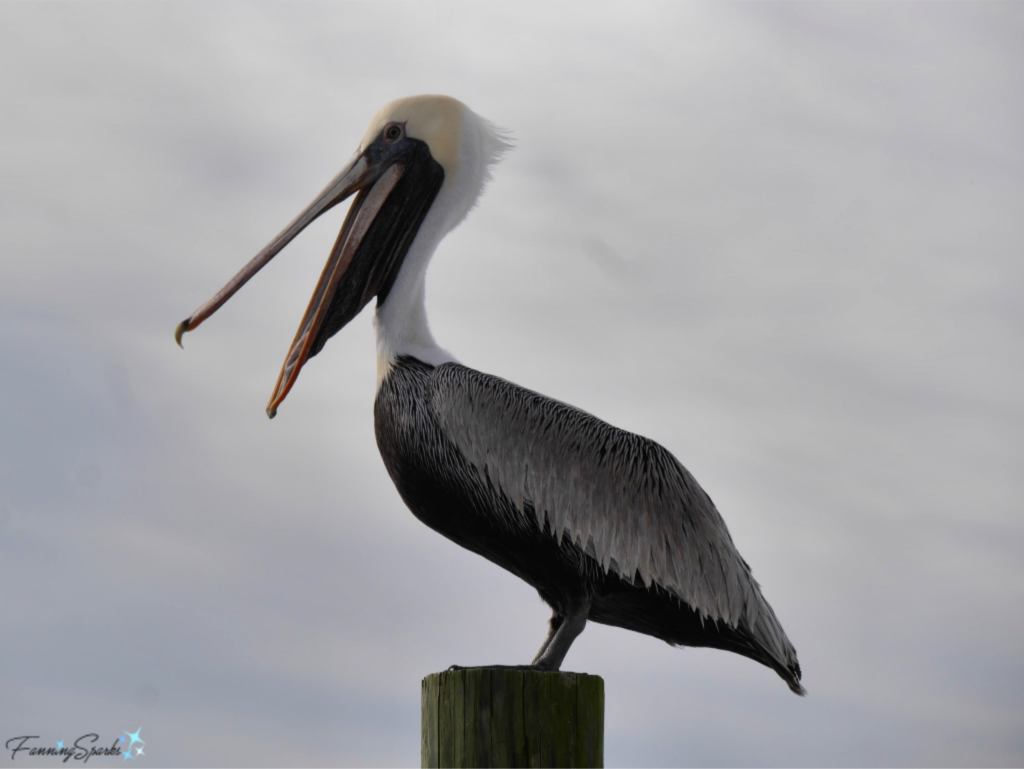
781, 239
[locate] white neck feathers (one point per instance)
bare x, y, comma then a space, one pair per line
401, 322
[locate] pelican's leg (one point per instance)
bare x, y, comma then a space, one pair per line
564, 630
555, 623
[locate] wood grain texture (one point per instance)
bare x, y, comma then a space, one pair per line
494, 717
428, 725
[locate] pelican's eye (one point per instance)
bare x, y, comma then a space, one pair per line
393, 132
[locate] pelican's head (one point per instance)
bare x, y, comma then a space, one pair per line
421, 165
460, 141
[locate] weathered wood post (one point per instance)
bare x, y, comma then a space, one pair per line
495, 717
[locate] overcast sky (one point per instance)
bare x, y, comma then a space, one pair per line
783, 240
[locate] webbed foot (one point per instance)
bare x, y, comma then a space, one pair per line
536, 668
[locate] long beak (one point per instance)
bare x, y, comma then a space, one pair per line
358, 175
364, 210
352, 177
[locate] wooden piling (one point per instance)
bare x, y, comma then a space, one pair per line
496, 717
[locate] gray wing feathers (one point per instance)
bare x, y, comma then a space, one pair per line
621, 498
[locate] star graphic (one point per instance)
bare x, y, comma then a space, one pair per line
135, 738
60, 745
121, 738
127, 754
138, 751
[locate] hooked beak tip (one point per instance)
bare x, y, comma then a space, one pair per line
179, 332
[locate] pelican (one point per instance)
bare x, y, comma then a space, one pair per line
606, 525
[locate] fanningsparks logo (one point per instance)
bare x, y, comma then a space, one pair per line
129, 746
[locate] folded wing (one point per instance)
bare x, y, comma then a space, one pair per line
621, 498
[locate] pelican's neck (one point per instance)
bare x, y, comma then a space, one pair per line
401, 321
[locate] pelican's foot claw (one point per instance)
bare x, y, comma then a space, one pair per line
532, 668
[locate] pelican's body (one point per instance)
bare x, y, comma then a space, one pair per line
606, 525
